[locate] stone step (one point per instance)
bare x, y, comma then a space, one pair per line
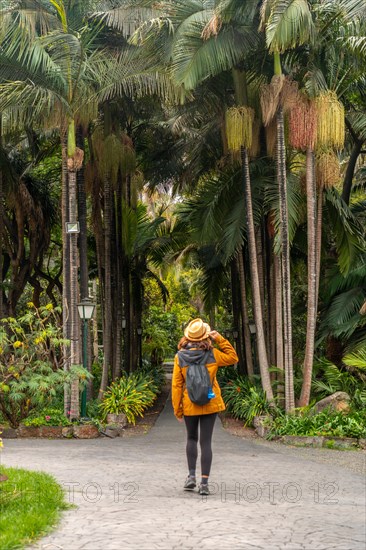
168, 366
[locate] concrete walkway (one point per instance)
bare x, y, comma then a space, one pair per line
129, 495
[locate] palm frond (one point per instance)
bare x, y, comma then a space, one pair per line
289, 23
347, 231
356, 359
342, 317
195, 59
128, 16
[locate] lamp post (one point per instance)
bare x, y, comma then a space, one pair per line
235, 336
86, 312
253, 331
139, 334
124, 324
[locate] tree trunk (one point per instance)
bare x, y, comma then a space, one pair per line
245, 316
1, 226
260, 262
236, 308
127, 313
311, 312
279, 328
66, 296
107, 325
257, 306
119, 281
271, 297
318, 244
75, 355
83, 235
285, 250
348, 178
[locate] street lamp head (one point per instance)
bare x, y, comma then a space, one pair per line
235, 334
139, 330
124, 323
86, 309
72, 227
252, 327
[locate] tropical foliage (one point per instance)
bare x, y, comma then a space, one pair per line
325, 423
211, 155
130, 395
31, 363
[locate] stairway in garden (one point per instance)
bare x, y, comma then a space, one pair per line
168, 368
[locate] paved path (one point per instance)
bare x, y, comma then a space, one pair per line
129, 495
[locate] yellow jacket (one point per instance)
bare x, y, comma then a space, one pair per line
182, 405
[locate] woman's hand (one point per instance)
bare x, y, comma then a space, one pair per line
180, 419
214, 335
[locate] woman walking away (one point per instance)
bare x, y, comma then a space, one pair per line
195, 349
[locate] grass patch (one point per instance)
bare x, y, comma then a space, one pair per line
30, 506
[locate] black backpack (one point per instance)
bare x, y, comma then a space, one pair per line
198, 382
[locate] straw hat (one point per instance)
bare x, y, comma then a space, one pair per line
197, 330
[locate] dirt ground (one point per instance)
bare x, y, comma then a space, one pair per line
144, 424
236, 427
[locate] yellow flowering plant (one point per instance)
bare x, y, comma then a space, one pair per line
31, 362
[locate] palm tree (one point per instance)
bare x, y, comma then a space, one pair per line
286, 25
66, 72
197, 38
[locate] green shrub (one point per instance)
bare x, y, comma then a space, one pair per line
328, 379
156, 373
225, 375
130, 395
326, 423
31, 373
245, 400
49, 417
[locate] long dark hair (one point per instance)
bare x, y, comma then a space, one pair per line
202, 344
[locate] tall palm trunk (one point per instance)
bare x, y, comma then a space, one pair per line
279, 327
245, 316
107, 325
318, 246
83, 235
127, 313
271, 309
312, 280
285, 252
237, 315
1, 226
66, 295
83, 247
74, 163
260, 262
119, 282
74, 296
257, 306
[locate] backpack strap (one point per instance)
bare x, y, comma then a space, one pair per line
204, 360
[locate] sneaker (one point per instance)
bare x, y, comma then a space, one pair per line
190, 483
203, 489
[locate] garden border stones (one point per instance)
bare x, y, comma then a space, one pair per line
328, 442
79, 431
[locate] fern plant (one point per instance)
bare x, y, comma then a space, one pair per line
328, 378
245, 400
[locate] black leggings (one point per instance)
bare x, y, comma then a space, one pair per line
206, 423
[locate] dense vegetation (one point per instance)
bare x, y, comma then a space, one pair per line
212, 153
